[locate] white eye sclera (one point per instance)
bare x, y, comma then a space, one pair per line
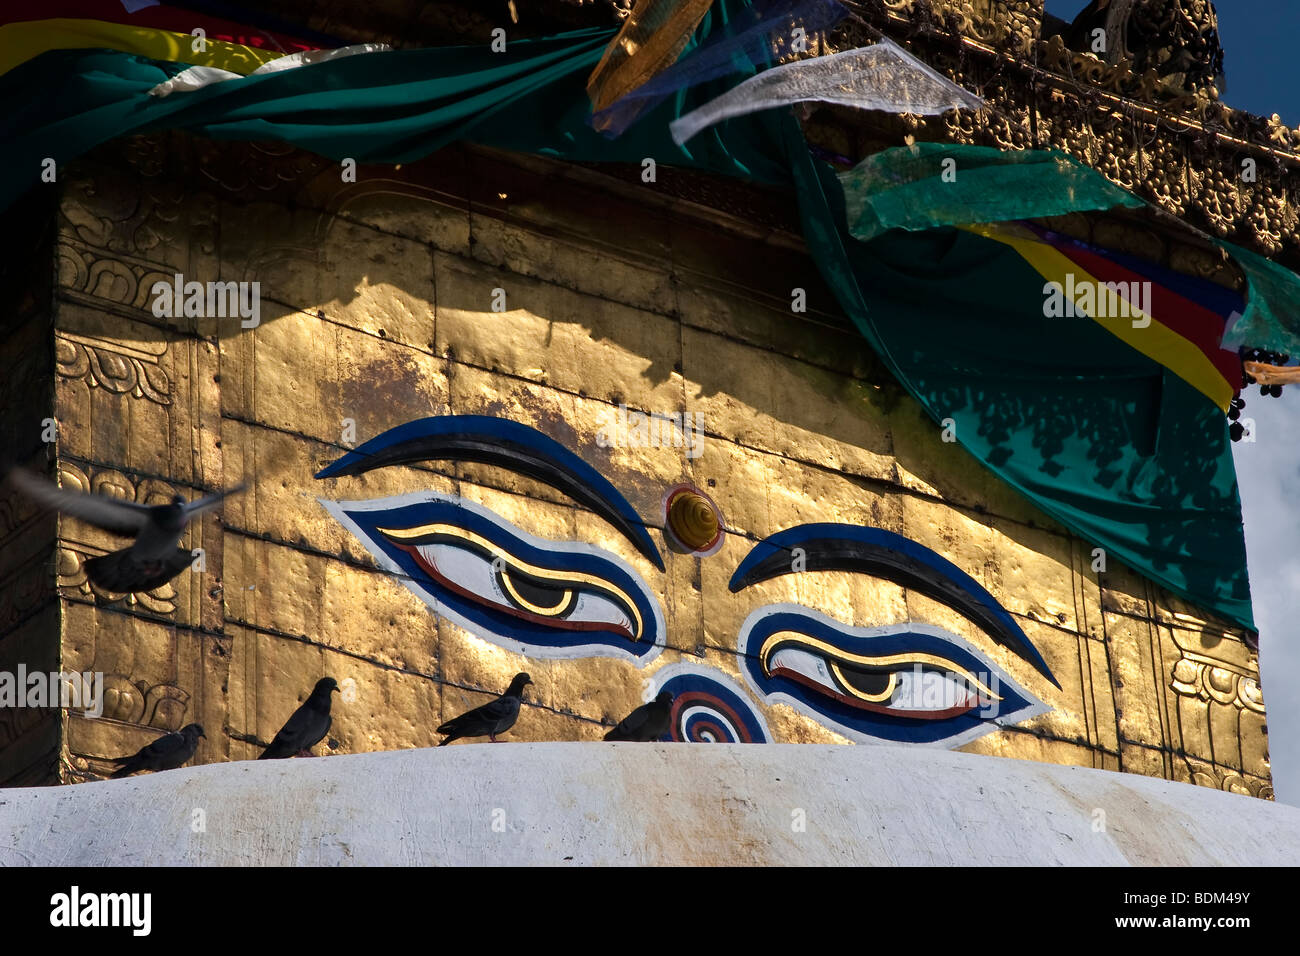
514, 590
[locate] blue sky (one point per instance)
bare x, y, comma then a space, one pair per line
1263, 76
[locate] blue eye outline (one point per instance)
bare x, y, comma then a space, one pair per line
884, 554
1015, 705
368, 520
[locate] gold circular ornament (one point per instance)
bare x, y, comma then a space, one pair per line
692, 522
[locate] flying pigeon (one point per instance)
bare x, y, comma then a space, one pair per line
494, 717
166, 753
308, 725
154, 558
648, 722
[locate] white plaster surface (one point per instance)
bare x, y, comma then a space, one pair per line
573, 804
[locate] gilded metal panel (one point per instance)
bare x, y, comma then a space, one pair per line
750, 397
551, 335
378, 309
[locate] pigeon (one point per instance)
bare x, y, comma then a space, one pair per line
494, 717
154, 558
308, 725
166, 753
648, 722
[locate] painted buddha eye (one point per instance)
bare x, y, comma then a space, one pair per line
909, 683
480, 570
534, 596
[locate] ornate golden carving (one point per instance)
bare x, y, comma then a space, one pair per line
113, 366
88, 273
1212, 681
1233, 783
1136, 120
135, 702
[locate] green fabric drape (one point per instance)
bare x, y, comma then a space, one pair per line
1092, 432
949, 184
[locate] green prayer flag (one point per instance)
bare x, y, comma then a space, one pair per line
949, 184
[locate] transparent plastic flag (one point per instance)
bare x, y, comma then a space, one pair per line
881, 77
652, 37
756, 36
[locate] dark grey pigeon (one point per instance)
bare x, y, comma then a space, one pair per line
494, 717
648, 722
308, 725
154, 558
166, 753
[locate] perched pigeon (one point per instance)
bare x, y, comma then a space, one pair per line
647, 722
166, 753
154, 558
494, 717
308, 725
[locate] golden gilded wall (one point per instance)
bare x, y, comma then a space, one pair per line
377, 307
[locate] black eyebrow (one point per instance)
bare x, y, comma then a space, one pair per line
884, 554
508, 444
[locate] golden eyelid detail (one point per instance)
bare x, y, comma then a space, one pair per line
883, 696
403, 535
566, 603
834, 655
